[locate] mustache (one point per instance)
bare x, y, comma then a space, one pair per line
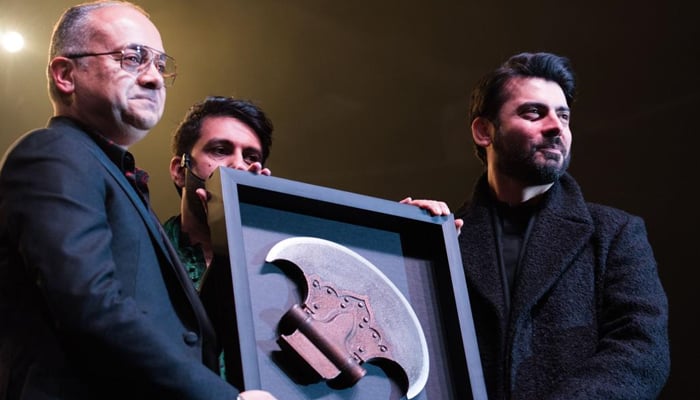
552, 143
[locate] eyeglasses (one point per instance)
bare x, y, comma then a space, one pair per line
136, 58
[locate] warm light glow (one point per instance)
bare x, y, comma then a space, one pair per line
12, 42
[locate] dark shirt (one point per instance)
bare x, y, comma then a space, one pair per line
512, 227
126, 163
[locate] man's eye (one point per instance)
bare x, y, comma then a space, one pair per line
160, 65
218, 150
252, 158
565, 116
132, 59
531, 113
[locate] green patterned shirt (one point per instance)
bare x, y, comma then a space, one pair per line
192, 258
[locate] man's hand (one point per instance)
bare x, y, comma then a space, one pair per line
256, 395
434, 207
257, 168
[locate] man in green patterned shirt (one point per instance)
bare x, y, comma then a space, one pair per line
219, 131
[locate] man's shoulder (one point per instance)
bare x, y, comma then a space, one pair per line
603, 214
60, 132
600, 213
604, 209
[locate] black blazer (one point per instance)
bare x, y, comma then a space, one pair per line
93, 301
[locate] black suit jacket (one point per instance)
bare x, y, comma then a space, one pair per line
93, 302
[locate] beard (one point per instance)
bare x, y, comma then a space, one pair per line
525, 166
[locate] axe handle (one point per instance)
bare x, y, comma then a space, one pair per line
306, 325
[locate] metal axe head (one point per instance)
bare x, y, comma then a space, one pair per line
352, 314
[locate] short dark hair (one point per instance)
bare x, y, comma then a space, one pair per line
488, 96
245, 111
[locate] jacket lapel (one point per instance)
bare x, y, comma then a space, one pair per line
561, 230
159, 237
479, 253
144, 211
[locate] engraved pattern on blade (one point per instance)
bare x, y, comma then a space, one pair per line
347, 273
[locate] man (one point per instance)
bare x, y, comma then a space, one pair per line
93, 301
229, 132
219, 131
565, 294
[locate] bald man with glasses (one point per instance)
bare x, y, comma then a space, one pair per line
94, 303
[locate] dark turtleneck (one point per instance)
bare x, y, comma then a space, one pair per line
512, 225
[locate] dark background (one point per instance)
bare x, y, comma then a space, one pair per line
371, 97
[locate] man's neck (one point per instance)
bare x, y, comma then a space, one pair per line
120, 134
512, 191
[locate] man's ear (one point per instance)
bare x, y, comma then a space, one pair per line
177, 171
61, 70
482, 131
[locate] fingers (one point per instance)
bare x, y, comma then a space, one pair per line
204, 197
256, 395
459, 223
434, 207
257, 168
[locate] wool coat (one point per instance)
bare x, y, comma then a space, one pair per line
93, 301
588, 317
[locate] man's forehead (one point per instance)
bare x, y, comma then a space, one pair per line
533, 89
118, 25
226, 129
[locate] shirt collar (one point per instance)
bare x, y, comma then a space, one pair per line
122, 158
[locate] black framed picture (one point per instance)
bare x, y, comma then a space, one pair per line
410, 259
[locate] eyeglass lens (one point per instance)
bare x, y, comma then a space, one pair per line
136, 58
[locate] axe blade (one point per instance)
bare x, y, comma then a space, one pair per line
392, 313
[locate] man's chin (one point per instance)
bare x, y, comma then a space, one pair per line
146, 124
553, 164
548, 158
143, 120
552, 174
544, 174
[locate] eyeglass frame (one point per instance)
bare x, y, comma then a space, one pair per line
153, 54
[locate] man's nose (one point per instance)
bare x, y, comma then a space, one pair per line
151, 76
237, 161
553, 125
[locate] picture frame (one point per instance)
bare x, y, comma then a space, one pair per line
419, 253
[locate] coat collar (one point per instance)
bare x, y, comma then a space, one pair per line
561, 229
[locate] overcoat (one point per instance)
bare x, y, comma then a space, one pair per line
588, 317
